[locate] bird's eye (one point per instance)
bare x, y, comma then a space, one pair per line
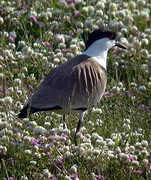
111, 37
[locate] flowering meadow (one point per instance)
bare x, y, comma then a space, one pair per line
114, 142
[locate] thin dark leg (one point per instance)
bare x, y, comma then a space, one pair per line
64, 120
78, 127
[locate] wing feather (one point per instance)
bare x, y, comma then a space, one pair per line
79, 83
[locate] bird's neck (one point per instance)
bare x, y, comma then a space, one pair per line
98, 53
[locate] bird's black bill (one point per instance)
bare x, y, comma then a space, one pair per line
121, 46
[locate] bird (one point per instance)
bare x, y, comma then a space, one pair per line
79, 83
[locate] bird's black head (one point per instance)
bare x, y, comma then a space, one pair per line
99, 34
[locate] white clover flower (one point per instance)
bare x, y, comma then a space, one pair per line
126, 127
138, 145
124, 30
113, 23
5, 34
27, 138
46, 173
36, 148
142, 88
117, 150
56, 60
49, 14
1, 20
128, 19
67, 177
132, 4
131, 149
124, 156
74, 41
110, 144
36, 44
33, 162
24, 177
144, 15
96, 152
5, 138
90, 9
88, 23
113, 7
77, 53
95, 136
142, 35
115, 89
43, 15
100, 142
115, 136
141, 3
59, 55
99, 13
144, 52
88, 136
144, 66
115, 64
17, 81
37, 154
121, 14
28, 152
100, 5
8, 100
124, 41
145, 162
60, 38
144, 41
1, 59
133, 84
33, 12
136, 44
62, 45
82, 44
97, 110
144, 153
43, 139
47, 124
73, 169
120, 84
33, 123
77, 2
8, 52
12, 45
73, 47
127, 121
144, 143
69, 154
28, 50
85, 9
149, 57
1, 76
4, 150
135, 163
79, 24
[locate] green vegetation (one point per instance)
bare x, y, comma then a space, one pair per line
115, 139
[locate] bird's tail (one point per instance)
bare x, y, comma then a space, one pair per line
25, 112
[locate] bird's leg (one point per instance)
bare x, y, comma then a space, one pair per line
64, 119
78, 126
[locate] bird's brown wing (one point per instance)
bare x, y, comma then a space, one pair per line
79, 83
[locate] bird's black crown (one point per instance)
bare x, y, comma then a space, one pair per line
99, 34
